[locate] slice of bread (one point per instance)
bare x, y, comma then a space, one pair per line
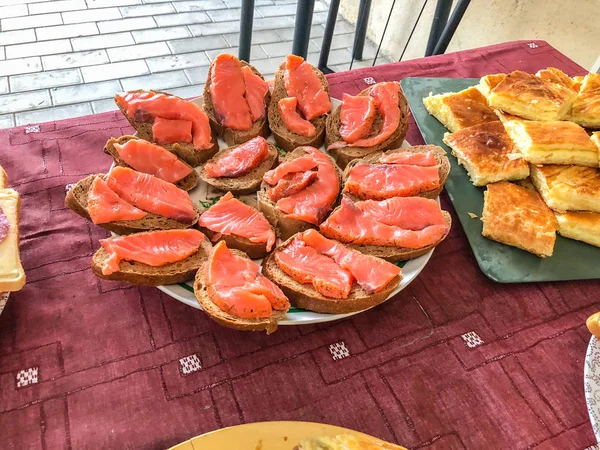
253, 249
268, 324
184, 150
234, 137
306, 297
344, 155
284, 225
284, 137
187, 183
247, 183
76, 200
12, 275
137, 273
3, 179
440, 156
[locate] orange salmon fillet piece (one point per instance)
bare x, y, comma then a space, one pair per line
240, 160
167, 131
292, 120
303, 83
426, 159
302, 164
256, 89
228, 90
104, 205
357, 116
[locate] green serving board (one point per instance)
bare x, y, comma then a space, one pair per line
572, 260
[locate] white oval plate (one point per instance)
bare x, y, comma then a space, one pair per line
591, 383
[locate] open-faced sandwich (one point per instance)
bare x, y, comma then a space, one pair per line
170, 121
236, 98
374, 120
299, 193
12, 275
240, 169
299, 105
323, 275
232, 291
125, 201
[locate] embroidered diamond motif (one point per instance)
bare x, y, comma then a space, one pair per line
339, 351
472, 339
370, 80
533, 45
32, 129
26, 377
190, 364
69, 186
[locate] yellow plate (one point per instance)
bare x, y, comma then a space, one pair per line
266, 436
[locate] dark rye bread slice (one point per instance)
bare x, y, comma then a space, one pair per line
344, 155
76, 200
284, 226
252, 249
440, 156
284, 137
187, 183
234, 137
244, 184
184, 150
137, 273
268, 324
306, 297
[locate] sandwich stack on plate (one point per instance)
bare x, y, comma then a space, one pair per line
530, 140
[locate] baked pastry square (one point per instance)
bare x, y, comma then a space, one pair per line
518, 216
586, 107
489, 82
553, 142
554, 75
530, 97
488, 154
595, 138
568, 188
460, 109
581, 225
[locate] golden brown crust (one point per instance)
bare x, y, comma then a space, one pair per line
580, 225
586, 107
489, 82
557, 76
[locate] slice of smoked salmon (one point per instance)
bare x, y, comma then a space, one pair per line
230, 216
381, 181
307, 266
145, 106
256, 89
154, 248
371, 273
302, 164
292, 120
302, 82
104, 205
168, 131
146, 157
151, 194
235, 285
356, 117
227, 90
410, 213
349, 224
426, 159
292, 183
314, 202
239, 160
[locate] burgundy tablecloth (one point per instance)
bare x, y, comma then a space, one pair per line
455, 361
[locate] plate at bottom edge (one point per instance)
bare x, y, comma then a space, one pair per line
591, 384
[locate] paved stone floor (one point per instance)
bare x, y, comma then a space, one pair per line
67, 58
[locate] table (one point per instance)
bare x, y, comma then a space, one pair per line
454, 362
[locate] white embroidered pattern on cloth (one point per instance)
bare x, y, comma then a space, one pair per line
591, 384
189, 364
472, 339
339, 351
32, 129
370, 80
532, 45
28, 376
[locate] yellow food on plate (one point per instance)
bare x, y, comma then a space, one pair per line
346, 442
489, 82
505, 117
3, 179
460, 110
595, 138
554, 75
517, 216
568, 188
12, 276
553, 142
586, 107
577, 81
593, 324
488, 154
580, 225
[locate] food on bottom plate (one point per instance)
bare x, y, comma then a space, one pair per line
125, 201
488, 153
345, 442
580, 225
553, 142
586, 107
489, 82
152, 258
530, 97
568, 188
421, 170
593, 324
231, 290
505, 117
557, 76
146, 157
236, 98
12, 275
396, 229
239, 225
326, 276
299, 104
181, 126
348, 136
458, 110
300, 192
577, 82
240, 169
595, 138
518, 216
